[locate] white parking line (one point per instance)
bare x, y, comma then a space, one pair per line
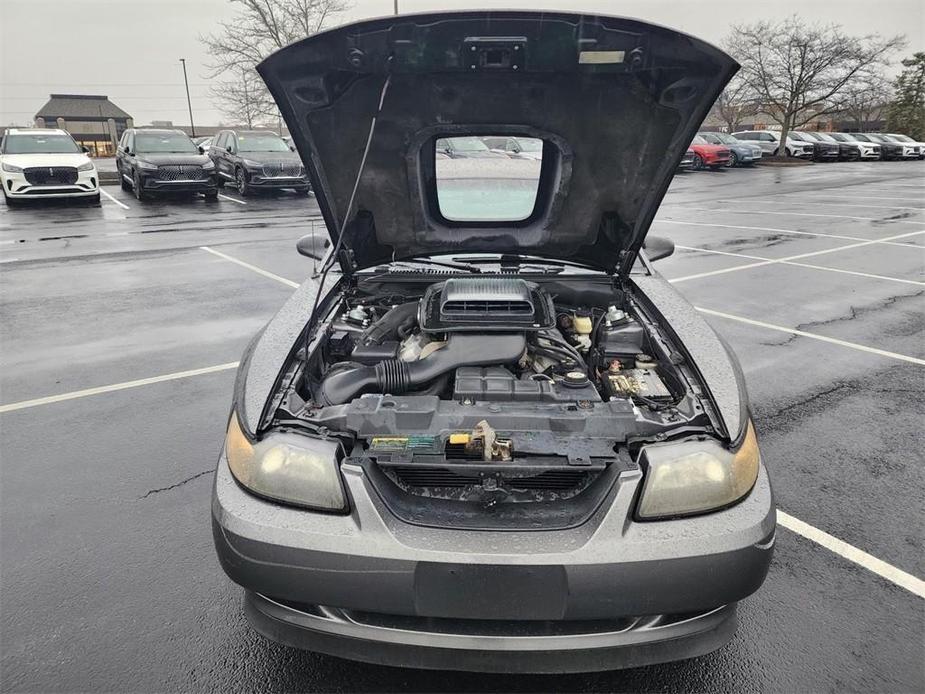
798, 256
913, 584
813, 336
917, 198
225, 197
738, 210
253, 268
73, 395
769, 261
118, 202
816, 203
795, 232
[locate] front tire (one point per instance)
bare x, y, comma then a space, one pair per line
733, 160
140, 194
12, 202
126, 186
244, 188
698, 163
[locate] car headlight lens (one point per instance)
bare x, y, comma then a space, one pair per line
252, 164
287, 467
148, 166
86, 167
690, 477
9, 168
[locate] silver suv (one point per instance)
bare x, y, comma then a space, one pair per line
769, 141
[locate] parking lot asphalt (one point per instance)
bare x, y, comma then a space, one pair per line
108, 579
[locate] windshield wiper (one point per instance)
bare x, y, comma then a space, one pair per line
441, 263
523, 263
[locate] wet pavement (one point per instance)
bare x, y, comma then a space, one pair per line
108, 579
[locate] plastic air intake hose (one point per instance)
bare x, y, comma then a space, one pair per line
395, 376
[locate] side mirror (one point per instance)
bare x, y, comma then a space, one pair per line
86, 150
201, 150
229, 149
292, 147
658, 247
312, 247
128, 152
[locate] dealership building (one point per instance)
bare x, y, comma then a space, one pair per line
93, 120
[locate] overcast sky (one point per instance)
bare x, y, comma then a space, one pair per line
130, 49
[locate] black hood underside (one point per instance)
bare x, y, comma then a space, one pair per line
616, 101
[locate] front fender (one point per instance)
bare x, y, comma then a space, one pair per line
265, 357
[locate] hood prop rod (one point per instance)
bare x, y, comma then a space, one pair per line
335, 250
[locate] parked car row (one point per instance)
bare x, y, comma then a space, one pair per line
710, 150
151, 162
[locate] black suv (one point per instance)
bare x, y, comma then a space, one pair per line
257, 160
153, 161
822, 150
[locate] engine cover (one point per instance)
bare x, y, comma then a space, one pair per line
485, 304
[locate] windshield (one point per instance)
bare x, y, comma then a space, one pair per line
261, 142
902, 138
462, 144
40, 144
838, 137
800, 137
825, 137
164, 143
699, 141
878, 138
726, 138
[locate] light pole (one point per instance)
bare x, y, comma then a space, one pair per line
189, 104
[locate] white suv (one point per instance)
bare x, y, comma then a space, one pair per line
45, 163
769, 141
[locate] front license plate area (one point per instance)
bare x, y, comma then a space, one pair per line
489, 591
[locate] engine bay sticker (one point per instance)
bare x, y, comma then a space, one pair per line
402, 443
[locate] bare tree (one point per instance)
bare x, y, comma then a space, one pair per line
737, 102
259, 28
800, 71
244, 98
864, 99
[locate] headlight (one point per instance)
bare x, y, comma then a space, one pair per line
208, 166
287, 467
86, 167
252, 164
690, 477
147, 166
9, 168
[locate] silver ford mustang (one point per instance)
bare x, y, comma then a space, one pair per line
488, 435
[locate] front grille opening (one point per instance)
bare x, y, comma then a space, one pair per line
427, 480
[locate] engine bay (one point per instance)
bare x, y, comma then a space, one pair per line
495, 389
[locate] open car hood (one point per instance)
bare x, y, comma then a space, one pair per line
616, 101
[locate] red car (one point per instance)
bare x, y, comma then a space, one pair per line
707, 155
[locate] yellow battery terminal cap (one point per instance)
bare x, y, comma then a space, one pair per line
459, 438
